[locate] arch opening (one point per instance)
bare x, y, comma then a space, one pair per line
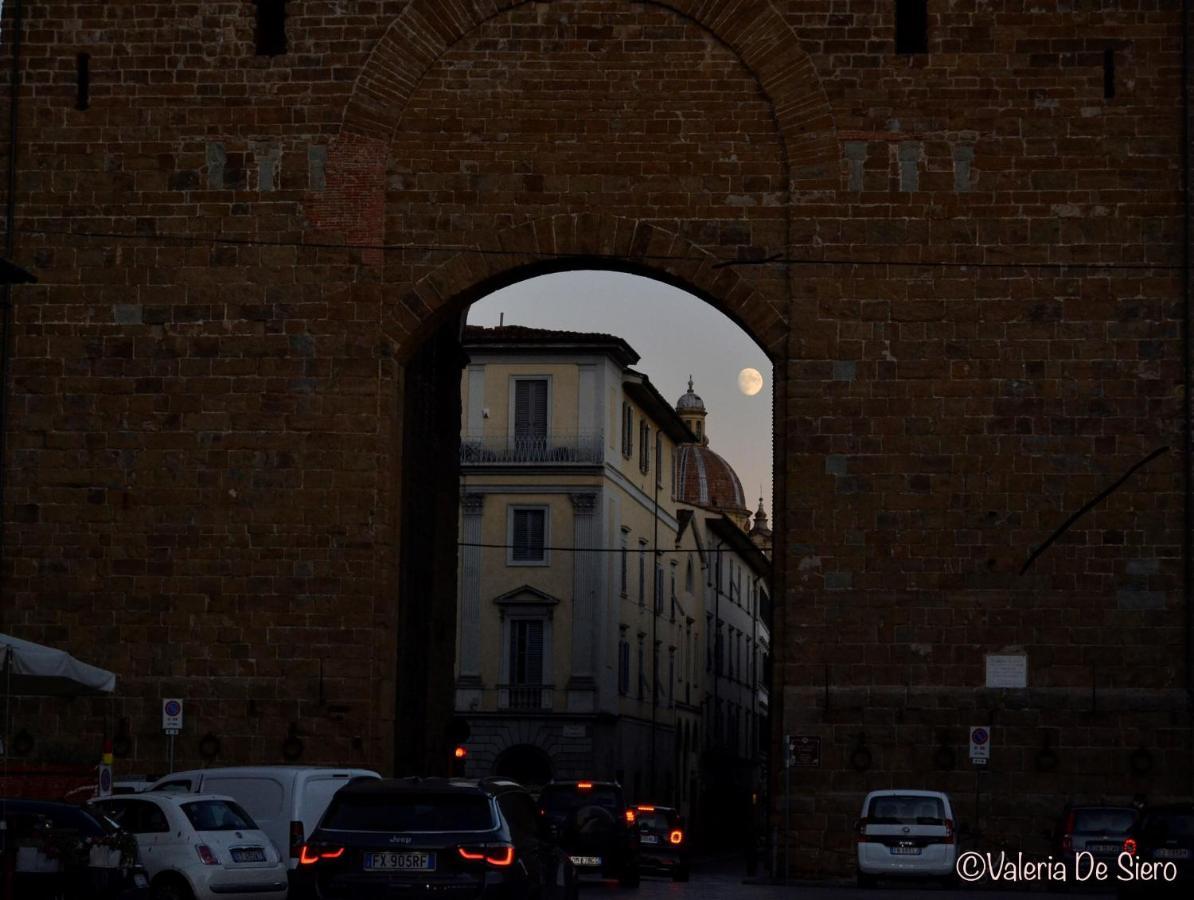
585, 495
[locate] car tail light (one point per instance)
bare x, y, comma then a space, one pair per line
206, 855
1067, 836
676, 836
309, 854
630, 817
949, 831
861, 831
500, 855
584, 785
645, 808
296, 838
1130, 846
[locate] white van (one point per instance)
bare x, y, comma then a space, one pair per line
906, 834
285, 801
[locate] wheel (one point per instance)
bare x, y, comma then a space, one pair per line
171, 887
865, 880
680, 873
629, 877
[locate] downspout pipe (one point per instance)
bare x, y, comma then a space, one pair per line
1187, 402
10, 215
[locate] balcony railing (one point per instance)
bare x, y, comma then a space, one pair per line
524, 696
550, 448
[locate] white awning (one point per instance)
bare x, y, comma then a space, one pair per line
32, 669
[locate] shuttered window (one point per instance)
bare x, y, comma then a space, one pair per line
528, 542
526, 651
530, 408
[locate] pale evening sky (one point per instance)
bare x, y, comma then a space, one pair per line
676, 334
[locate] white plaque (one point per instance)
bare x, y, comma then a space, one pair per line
1007, 671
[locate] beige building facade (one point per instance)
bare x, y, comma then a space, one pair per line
579, 626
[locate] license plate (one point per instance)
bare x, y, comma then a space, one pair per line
399, 862
649, 839
1167, 853
585, 860
1104, 848
906, 851
252, 854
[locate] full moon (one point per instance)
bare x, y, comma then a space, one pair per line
750, 382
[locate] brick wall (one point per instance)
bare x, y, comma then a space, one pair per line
204, 468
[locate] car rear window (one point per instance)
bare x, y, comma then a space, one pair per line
660, 821
217, 815
1103, 821
410, 812
910, 810
561, 800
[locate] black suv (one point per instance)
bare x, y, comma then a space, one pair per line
595, 826
415, 837
662, 840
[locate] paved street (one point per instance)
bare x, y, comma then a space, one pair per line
722, 879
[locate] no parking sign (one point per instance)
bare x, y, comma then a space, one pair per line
172, 715
980, 745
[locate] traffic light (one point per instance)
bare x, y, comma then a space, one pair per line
459, 755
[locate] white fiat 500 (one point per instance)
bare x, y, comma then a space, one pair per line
906, 834
199, 846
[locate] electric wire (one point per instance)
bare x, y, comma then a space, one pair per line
775, 259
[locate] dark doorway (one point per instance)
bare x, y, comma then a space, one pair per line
524, 763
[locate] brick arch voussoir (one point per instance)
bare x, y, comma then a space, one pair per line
586, 239
754, 30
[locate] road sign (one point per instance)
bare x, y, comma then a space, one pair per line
980, 745
105, 781
172, 715
806, 751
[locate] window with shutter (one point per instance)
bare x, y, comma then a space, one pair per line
526, 651
528, 542
530, 409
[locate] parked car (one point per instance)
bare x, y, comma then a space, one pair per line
594, 824
434, 837
1098, 830
199, 846
285, 801
906, 833
62, 850
662, 841
1163, 836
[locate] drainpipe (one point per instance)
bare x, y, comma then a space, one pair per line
1188, 505
10, 214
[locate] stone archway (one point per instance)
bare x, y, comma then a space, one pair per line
755, 32
680, 231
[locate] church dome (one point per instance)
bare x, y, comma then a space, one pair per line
705, 479
690, 402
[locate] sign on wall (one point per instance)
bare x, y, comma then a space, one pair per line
1007, 671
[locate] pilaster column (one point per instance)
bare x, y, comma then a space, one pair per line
471, 508
585, 581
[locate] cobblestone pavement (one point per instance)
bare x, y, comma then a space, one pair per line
722, 879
